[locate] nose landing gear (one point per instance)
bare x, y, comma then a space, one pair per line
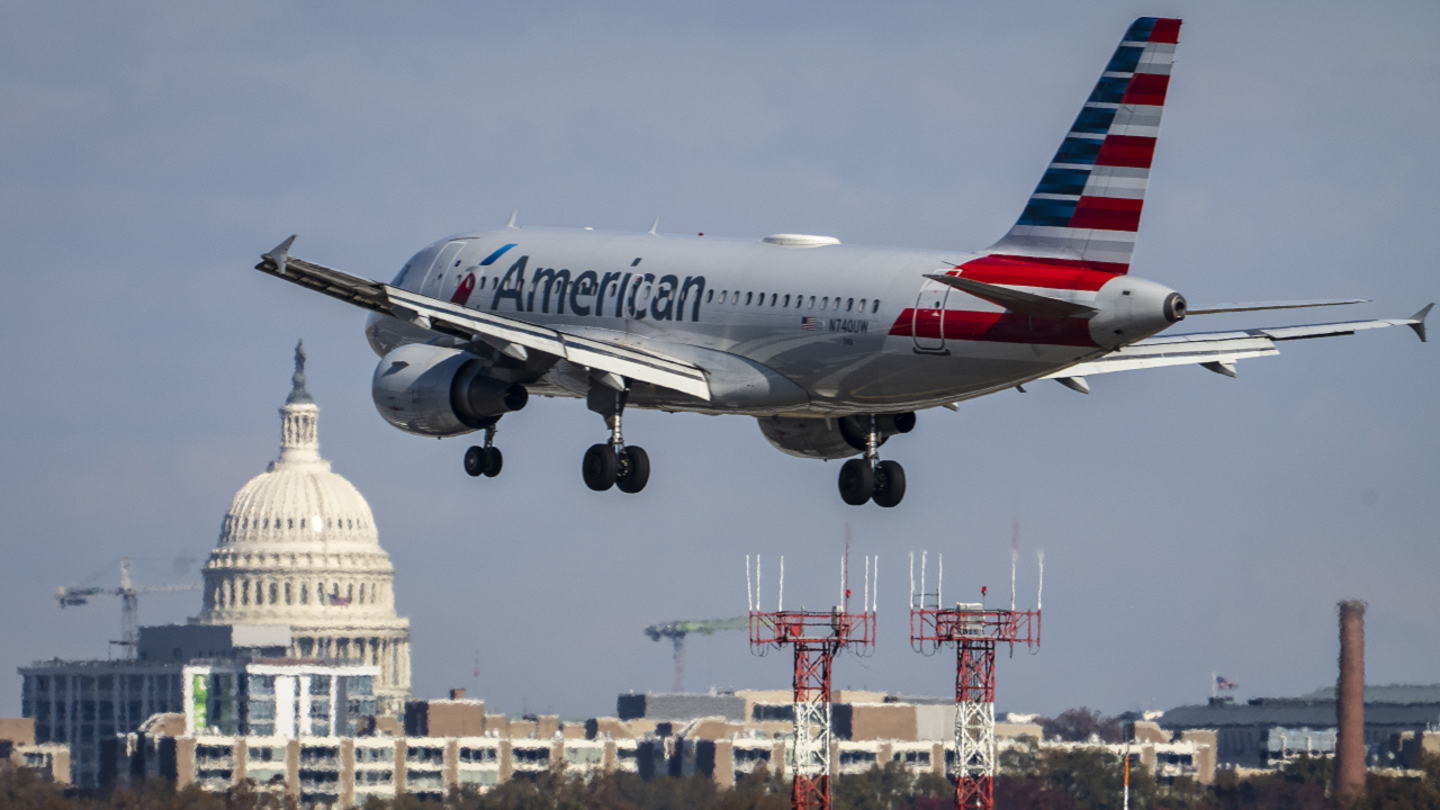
869, 478
613, 464
486, 460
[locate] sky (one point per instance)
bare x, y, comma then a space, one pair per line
1191, 523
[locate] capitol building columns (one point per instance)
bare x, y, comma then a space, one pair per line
299, 547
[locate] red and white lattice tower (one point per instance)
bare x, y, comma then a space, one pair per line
815, 636
975, 631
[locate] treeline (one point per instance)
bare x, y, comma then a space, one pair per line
1036, 780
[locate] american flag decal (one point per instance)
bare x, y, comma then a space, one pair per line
1087, 206
807, 324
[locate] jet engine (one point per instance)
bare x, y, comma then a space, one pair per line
837, 437
435, 391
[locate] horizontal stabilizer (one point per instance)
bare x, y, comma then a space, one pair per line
1215, 309
1219, 351
1025, 303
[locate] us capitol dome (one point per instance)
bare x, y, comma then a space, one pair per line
299, 547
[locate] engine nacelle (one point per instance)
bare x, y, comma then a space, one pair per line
840, 437
435, 391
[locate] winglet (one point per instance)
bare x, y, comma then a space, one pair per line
281, 253
1418, 321
653, 226
513, 215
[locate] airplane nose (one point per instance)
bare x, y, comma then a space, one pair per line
1175, 307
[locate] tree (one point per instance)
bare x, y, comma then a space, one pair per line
1077, 725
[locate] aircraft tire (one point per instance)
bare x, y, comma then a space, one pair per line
634, 471
857, 482
600, 467
889, 483
494, 461
475, 461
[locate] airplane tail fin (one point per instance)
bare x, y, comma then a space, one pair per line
1086, 209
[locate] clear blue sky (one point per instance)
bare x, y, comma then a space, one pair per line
1192, 523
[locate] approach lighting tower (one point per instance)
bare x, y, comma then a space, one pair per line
129, 594
815, 636
975, 631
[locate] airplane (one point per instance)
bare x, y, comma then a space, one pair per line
832, 348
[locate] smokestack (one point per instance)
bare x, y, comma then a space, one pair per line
1350, 701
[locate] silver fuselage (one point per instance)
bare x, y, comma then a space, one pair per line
825, 329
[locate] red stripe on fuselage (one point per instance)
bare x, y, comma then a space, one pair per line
1055, 274
993, 327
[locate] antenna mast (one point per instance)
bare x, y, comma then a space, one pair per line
815, 636
975, 631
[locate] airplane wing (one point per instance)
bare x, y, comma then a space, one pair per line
1219, 351
510, 335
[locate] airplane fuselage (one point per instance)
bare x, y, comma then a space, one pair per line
791, 324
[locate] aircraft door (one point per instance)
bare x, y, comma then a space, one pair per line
443, 269
929, 315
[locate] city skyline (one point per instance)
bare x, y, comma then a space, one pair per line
1213, 522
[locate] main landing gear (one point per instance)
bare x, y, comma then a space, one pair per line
486, 460
869, 478
613, 464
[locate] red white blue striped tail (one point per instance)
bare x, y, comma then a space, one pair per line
1086, 209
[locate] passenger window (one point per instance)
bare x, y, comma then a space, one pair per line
812, 302
862, 304
825, 302
709, 296
876, 308
773, 296
849, 304
748, 297
787, 300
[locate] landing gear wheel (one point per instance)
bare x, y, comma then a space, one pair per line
493, 461
475, 461
857, 481
600, 467
889, 483
634, 470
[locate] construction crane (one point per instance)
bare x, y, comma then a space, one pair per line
129, 594
676, 631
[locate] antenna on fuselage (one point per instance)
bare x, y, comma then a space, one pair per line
513, 215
